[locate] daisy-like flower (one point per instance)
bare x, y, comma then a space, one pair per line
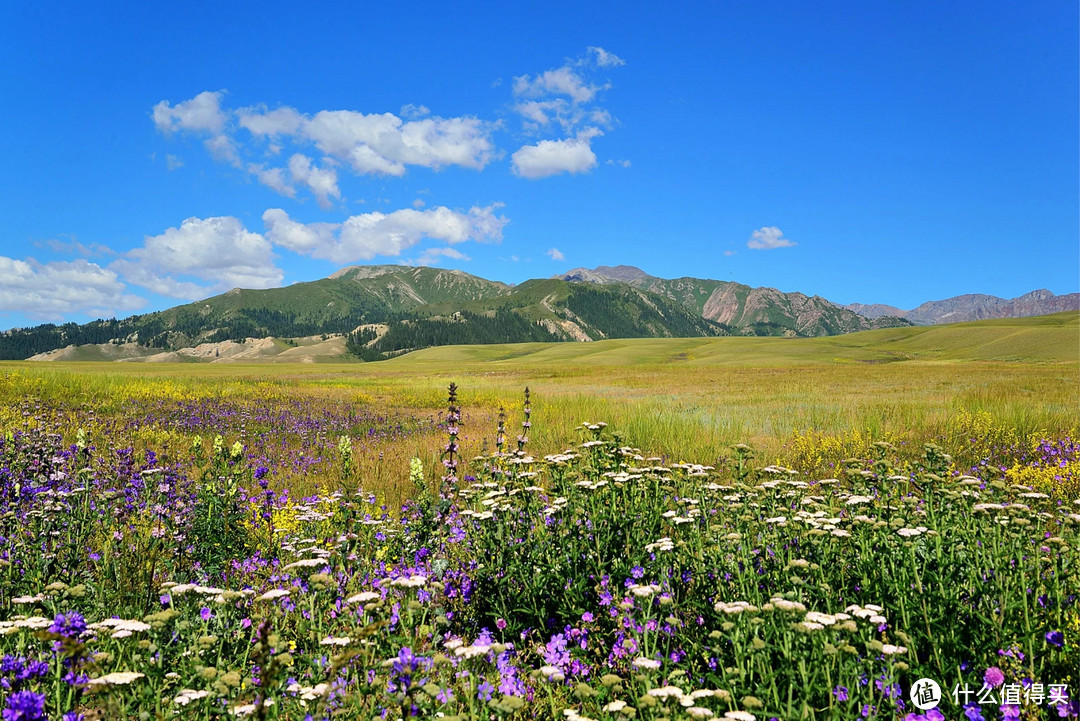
552, 673
363, 597
335, 641
666, 692
644, 591
117, 678
734, 607
305, 563
414, 581
822, 618
699, 712
615, 706
188, 695
646, 663
274, 594
739, 716
785, 605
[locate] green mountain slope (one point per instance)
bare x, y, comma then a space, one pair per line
758, 311
394, 309
338, 304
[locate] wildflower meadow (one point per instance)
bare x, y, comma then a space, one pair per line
176, 557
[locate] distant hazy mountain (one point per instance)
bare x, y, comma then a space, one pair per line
976, 306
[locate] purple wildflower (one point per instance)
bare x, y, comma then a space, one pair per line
994, 677
25, 706
1010, 712
71, 625
1055, 638
841, 693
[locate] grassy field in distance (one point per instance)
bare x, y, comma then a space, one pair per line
686, 399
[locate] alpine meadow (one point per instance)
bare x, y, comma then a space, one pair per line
318, 401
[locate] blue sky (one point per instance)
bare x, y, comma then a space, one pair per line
866, 152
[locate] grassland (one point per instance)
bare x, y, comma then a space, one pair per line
991, 381
209, 541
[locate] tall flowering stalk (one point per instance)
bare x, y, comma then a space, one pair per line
500, 435
525, 426
451, 452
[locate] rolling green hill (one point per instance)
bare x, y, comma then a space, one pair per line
1039, 339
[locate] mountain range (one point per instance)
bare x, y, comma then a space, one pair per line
377, 311
975, 306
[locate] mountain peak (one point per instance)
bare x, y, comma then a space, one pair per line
365, 271
605, 274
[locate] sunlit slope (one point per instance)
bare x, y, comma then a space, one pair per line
1041, 339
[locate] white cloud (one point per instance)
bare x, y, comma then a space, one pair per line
201, 257
365, 236
559, 81
375, 143
272, 123
555, 254
74, 247
768, 237
174, 161
564, 95
730, 252
605, 59
304, 238
411, 111
418, 203
53, 290
551, 157
432, 256
620, 163
224, 148
321, 181
201, 113
272, 178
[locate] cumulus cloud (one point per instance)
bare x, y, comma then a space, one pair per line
271, 123
303, 238
223, 148
605, 59
551, 157
562, 98
767, 238
365, 236
272, 178
321, 181
432, 256
201, 257
50, 291
201, 113
559, 81
555, 254
373, 143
